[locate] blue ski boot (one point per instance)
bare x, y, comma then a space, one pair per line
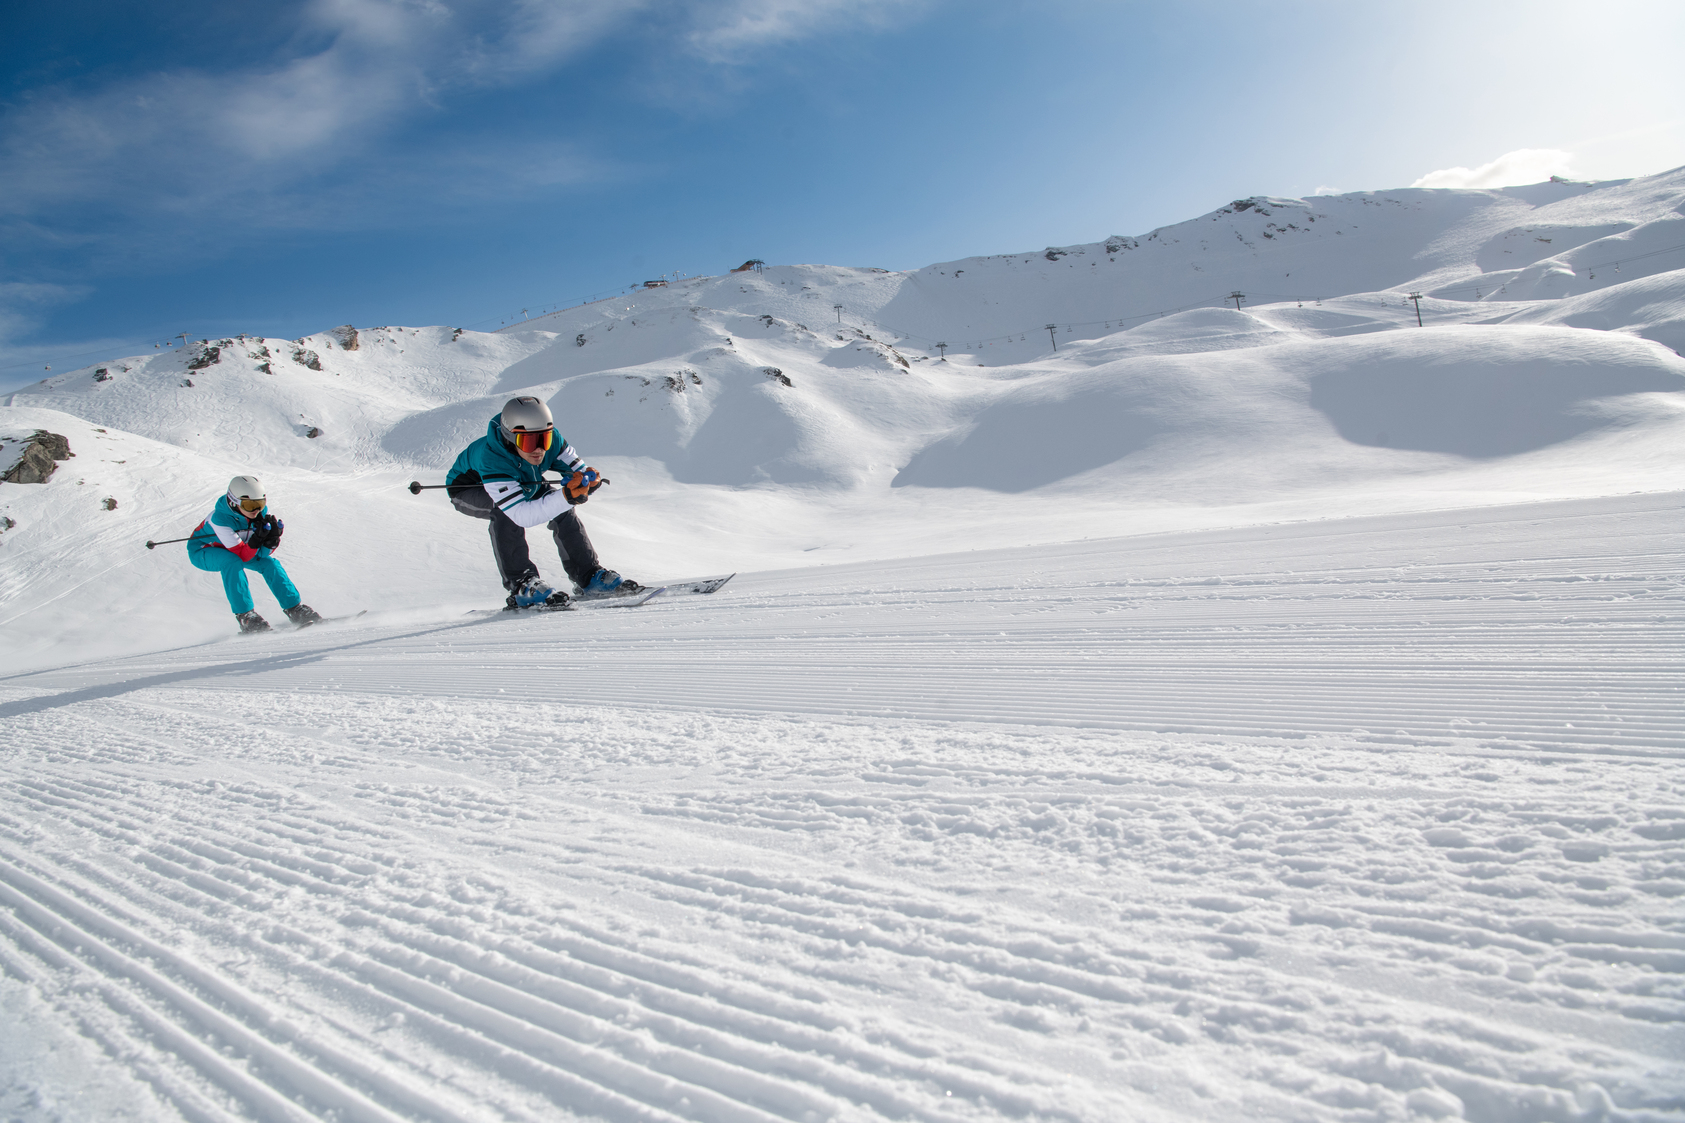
535, 592
608, 583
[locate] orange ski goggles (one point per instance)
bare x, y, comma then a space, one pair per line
533, 440
252, 506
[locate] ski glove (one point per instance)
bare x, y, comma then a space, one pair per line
266, 532
581, 484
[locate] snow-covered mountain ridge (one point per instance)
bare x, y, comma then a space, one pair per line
755, 415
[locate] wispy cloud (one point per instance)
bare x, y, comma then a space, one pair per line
192, 135
232, 143
726, 32
540, 34
1524, 165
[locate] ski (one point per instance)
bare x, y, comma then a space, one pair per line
289, 626
576, 604
529, 610
701, 586
330, 620
621, 593
631, 601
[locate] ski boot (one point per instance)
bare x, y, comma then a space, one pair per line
252, 622
608, 583
303, 615
535, 592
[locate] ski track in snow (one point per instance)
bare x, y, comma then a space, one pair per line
1370, 819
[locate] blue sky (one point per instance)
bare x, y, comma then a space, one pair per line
214, 167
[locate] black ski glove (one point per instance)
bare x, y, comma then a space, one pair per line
266, 532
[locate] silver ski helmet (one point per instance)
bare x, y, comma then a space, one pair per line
243, 491
526, 416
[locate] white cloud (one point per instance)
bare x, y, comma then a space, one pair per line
742, 25
1324, 190
231, 144
187, 138
1524, 165
543, 33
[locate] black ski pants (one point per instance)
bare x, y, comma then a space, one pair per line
509, 540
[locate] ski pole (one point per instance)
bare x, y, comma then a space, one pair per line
417, 487
150, 544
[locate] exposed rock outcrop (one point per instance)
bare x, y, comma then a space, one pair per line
37, 461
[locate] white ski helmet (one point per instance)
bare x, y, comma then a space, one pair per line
244, 487
524, 413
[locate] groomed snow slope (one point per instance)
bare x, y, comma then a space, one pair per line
1267, 712
1372, 819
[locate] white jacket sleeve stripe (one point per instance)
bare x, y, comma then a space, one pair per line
526, 512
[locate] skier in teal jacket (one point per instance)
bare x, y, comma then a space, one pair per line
240, 534
500, 478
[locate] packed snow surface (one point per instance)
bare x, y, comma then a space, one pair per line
1263, 712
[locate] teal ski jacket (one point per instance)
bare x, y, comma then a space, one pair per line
515, 486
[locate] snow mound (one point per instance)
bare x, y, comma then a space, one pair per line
1496, 394
1651, 307
1471, 392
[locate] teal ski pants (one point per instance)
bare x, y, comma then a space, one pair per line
217, 560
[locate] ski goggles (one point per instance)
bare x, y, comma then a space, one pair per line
533, 440
252, 506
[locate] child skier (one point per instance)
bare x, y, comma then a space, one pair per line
500, 477
240, 534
